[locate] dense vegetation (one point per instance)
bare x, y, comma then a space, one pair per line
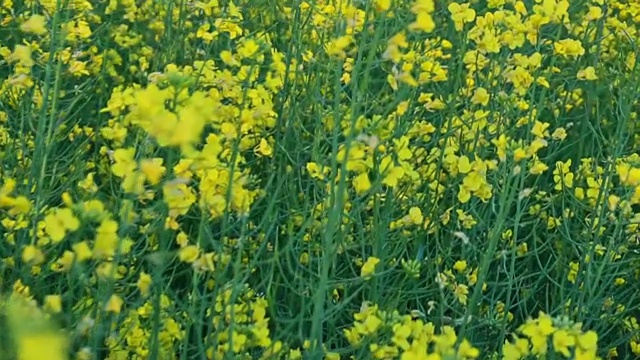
309, 179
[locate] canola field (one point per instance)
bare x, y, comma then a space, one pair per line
319, 179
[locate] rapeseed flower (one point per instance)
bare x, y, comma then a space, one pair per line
60, 222
36, 24
369, 267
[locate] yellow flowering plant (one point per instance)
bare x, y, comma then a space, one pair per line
385, 179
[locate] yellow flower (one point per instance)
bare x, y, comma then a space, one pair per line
106, 240
6, 189
124, 164
82, 251
520, 7
473, 181
480, 96
248, 49
36, 24
588, 340
152, 170
78, 68
336, 47
239, 340
424, 22
187, 130
519, 154
464, 195
568, 48
591, 354
538, 331
461, 291
595, 13
467, 351
559, 134
65, 262
382, 5
53, 303
144, 283
361, 183
426, 6
22, 54
34, 335
264, 149
332, 356
461, 14
415, 216
538, 167
369, 325
460, 266
545, 325
46, 345
369, 267
392, 174
562, 175
31, 254
114, 304
540, 129
189, 254
562, 341
58, 223
228, 129
317, 171
401, 333
517, 351
464, 165
588, 73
